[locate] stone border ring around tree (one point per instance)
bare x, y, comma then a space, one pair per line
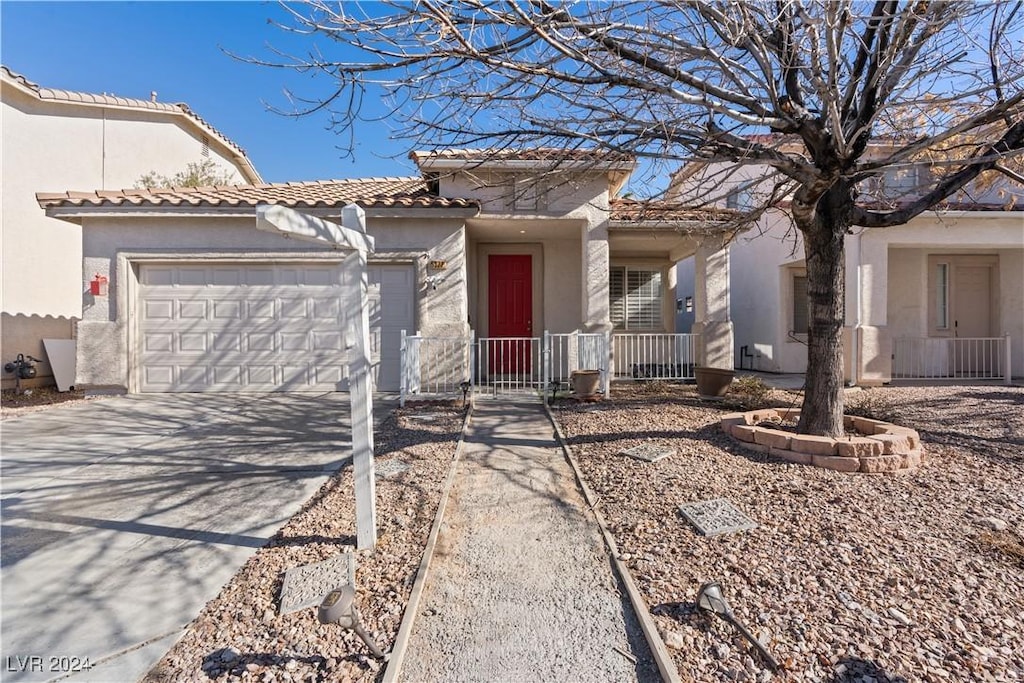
875, 447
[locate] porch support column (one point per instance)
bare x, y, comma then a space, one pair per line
711, 305
873, 340
596, 263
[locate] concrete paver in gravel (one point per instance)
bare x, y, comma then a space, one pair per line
521, 586
123, 517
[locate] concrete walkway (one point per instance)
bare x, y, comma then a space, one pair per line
522, 587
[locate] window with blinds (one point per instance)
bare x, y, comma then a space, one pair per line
801, 312
635, 295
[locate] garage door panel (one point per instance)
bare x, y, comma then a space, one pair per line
326, 309
294, 309
259, 341
292, 342
327, 341
227, 310
157, 276
262, 327
158, 309
192, 342
226, 277
193, 375
259, 310
227, 341
256, 276
192, 310
227, 376
157, 342
192, 276
260, 374
158, 375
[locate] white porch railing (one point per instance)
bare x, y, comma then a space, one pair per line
507, 364
951, 358
439, 365
655, 356
565, 353
434, 365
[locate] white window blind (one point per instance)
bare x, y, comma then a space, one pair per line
635, 295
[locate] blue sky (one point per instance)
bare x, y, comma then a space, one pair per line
178, 49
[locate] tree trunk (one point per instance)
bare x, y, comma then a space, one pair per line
825, 253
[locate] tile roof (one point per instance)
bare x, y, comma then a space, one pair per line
530, 154
179, 108
366, 192
646, 212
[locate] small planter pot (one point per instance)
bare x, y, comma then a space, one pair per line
585, 383
713, 382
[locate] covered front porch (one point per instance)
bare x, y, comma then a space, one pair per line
551, 295
939, 299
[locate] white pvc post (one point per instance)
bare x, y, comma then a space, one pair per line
360, 389
350, 237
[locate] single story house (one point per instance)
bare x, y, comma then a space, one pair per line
505, 244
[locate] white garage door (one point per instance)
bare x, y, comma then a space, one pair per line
262, 327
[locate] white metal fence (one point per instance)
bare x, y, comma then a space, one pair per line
434, 365
655, 356
951, 358
439, 365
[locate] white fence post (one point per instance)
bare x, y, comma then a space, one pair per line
545, 353
609, 358
403, 382
1007, 374
473, 376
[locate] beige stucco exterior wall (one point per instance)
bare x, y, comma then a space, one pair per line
567, 235
113, 247
892, 300
53, 146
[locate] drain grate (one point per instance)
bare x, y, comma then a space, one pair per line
648, 452
306, 585
718, 516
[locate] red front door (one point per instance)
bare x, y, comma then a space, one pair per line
510, 311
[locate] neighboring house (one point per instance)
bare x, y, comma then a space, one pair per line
504, 245
932, 299
57, 139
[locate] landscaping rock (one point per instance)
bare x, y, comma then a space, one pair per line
911, 543
241, 625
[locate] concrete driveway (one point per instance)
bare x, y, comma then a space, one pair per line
122, 517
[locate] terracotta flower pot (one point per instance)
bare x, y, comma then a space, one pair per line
713, 382
585, 382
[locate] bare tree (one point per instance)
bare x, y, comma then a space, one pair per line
795, 88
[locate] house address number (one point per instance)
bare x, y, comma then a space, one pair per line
438, 265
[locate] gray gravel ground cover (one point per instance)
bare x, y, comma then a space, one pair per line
522, 588
240, 637
848, 577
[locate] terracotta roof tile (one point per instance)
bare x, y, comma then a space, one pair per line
367, 192
626, 210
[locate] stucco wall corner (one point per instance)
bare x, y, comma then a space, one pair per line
101, 355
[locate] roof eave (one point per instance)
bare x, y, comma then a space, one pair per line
77, 213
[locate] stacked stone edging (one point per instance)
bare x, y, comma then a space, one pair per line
884, 447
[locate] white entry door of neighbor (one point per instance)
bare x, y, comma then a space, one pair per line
252, 327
